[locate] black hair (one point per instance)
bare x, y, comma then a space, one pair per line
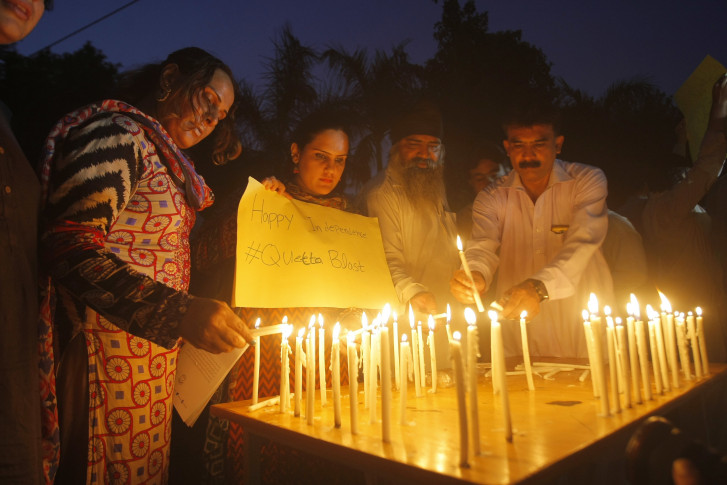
530, 111
486, 150
318, 121
196, 67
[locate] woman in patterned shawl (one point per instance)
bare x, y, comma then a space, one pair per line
318, 153
120, 199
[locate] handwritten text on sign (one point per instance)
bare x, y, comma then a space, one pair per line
296, 254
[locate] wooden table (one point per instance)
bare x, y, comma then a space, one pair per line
556, 427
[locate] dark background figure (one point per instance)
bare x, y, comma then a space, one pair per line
20, 433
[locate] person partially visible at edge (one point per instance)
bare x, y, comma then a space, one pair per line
120, 199
318, 155
541, 227
20, 429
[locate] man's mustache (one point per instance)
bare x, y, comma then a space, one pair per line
529, 164
429, 161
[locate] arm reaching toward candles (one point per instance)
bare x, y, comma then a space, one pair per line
523, 296
212, 326
424, 302
462, 287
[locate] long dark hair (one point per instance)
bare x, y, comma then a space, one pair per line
196, 67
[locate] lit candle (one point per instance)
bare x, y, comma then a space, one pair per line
256, 368
374, 359
473, 352
404, 371
642, 347
415, 356
654, 353
660, 347
667, 323
298, 370
366, 354
692, 336
493, 354
702, 342
396, 344
466, 268
598, 354
588, 330
622, 353
455, 354
500, 376
353, 382
679, 330
336, 375
526, 350
322, 359
310, 372
432, 353
420, 346
385, 384
612, 361
633, 352
285, 369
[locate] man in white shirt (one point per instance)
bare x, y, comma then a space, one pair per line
418, 230
542, 225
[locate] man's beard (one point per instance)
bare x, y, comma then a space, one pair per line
421, 185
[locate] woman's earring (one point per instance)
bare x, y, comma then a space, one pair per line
295, 168
164, 94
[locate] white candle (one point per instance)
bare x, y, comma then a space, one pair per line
466, 268
404, 371
679, 329
660, 347
655, 357
598, 355
622, 356
285, 369
385, 385
256, 368
312, 359
420, 346
526, 350
493, 354
432, 353
588, 330
415, 355
298, 370
322, 359
336, 375
310, 372
702, 342
633, 352
456, 355
692, 336
396, 351
667, 324
473, 352
612, 360
353, 382
449, 318
504, 398
374, 357
643, 358
366, 354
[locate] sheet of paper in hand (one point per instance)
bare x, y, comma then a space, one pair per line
296, 254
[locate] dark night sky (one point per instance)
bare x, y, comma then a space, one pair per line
590, 44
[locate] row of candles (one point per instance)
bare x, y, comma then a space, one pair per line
671, 340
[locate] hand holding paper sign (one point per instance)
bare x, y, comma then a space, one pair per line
212, 326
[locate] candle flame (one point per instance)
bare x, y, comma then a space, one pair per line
584, 314
493, 315
287, 330
430, 322
312, 322
257, 322
336, 331
665, 305
403, 337
607, 310
619, 321
394, 316
523, 315
635, 307
651, 313
593, 304
469, 316
699, 311
301, 332
449, 313
364, 321
411, 317
320, 320
629, 309
459, 243
456, 336
285, 320
351, 338
386, 312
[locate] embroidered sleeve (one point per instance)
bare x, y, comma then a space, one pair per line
95, 173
